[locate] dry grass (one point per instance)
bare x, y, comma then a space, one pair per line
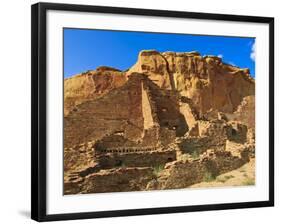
243, 176
158, 169
208, 177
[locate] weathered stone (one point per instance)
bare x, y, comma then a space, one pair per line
118, 180
139, 106
210, 83
90, 85
245, 112
182, 174
171, 120
135, 159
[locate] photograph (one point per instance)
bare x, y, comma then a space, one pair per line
146, 111
138, 112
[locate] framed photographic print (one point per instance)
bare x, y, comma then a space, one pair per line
139, 111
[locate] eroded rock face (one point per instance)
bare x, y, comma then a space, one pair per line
210, 83
118, 110
245, 112
115, 180
183, 173
90, 85
154, 65
122, 112
170, 121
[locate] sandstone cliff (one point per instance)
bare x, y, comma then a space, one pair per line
210, 83
245, 112
123, 111
170, 121
90, 85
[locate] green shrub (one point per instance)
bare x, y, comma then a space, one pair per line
227, 177
208, 177
249, 181
158, 169
195, 155
224, 178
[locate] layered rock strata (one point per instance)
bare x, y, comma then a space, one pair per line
170, 121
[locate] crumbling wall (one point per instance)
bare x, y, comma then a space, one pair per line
200, 144
150, 136
166, 135
166, 107
215, 128
112, 141
213, 135
181, 174
119, 110
186, 110
245, 112
238, 132
118, 180
78, 156
148, 158
251, 136
146, 110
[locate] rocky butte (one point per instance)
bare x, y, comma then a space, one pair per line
170, 121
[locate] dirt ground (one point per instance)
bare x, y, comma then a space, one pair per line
243, 176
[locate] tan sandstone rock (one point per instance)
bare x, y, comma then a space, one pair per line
90, 85
210, 83
172, 120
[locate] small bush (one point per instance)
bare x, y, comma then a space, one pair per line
223, 179
208, 177
195, 155
227, 177
158, 169
249, 181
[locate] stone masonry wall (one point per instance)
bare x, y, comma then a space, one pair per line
138, 159
119, 110
200, 144
118, 180
146, 110
181, 174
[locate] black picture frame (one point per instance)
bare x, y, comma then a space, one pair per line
38, 108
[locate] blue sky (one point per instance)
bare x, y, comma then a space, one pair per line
87, 49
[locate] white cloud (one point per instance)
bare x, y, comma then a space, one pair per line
220, 56
253, 51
